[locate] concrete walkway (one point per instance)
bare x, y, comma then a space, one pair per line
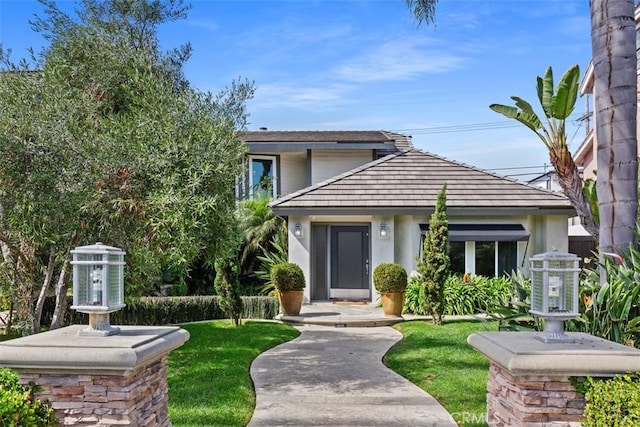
332, 376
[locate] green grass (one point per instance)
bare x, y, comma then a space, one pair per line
439, 360
209, 382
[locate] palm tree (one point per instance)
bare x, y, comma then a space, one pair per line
423, 10
613, 42
557, 104
262, 230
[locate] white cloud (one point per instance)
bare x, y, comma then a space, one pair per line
299, 96
400, 59
207, 24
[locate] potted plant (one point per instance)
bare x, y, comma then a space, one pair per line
288, 280
390, 280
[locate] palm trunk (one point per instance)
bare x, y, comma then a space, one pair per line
571, 183
613, 40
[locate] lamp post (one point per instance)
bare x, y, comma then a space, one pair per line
98, 286
554, 292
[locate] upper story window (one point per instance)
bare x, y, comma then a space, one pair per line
261, 177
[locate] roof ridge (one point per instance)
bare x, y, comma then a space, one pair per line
495, 175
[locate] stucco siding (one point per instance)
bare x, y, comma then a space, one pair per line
326, 164
293, 171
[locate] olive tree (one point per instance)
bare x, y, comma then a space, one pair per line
106, 141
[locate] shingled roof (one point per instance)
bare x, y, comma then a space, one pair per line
337, 138
408, 183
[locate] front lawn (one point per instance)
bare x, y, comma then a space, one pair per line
209, 383
439, 360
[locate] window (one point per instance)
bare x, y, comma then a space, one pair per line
261, 178
456, 255
491, 248
486, 259
488, 253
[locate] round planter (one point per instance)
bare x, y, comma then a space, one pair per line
392, 303
290, 302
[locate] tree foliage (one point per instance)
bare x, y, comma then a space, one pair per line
423, 10
433, 265
107, 142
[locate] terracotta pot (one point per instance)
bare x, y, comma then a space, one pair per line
392, 303
290, 302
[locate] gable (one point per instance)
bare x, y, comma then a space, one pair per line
408, 183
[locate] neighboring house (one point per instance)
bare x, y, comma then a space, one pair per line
548, 181
585, 155
357, 199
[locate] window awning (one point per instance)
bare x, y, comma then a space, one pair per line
484, 232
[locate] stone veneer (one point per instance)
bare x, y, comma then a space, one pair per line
118, 380
529, 380
531, 400
137, 399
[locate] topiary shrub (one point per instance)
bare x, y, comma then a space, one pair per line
612, 402
18, 405
287, 276
390, 277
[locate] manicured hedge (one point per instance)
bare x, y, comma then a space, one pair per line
155, 311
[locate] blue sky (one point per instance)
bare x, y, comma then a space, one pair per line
364, 64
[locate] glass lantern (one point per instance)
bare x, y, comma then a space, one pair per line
98, 285
554, 292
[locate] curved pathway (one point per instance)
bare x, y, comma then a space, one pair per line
335, 377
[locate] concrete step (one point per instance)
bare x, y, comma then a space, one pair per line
341, 314
339, 321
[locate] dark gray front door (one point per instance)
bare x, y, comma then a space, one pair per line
349, 262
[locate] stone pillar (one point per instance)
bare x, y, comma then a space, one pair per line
529, 380
99, 381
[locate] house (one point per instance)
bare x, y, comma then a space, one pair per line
548, 181
355, 199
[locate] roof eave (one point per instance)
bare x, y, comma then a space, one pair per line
458, 212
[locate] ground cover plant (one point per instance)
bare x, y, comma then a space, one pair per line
439, 360
209, 382
476, 295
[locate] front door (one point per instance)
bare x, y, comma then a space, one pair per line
350, 262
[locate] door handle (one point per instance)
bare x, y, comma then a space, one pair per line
366, 267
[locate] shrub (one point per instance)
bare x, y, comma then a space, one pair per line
434, 264
390, 277
612, 402
19, 407
612, 311
287, 276
157, 311
226, 284
480, 294
413, 300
